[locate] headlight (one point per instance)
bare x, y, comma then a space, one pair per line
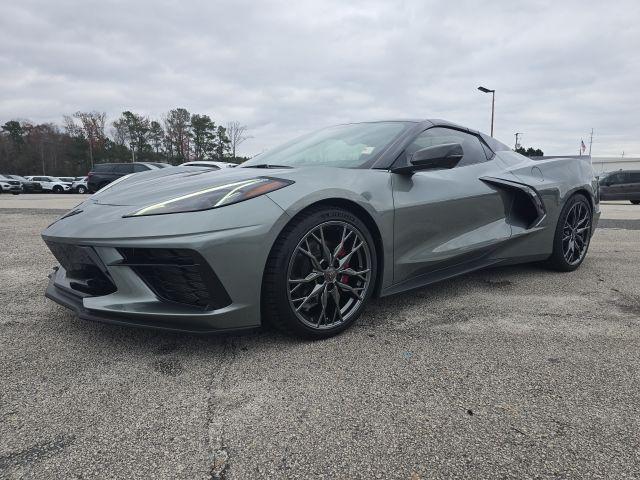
215, 197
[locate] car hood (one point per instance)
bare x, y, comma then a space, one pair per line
144, 188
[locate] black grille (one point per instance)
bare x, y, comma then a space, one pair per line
14, 182
83, 267
178, 275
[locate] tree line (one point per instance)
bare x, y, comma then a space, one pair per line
85, 138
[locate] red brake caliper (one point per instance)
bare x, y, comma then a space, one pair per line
343, 278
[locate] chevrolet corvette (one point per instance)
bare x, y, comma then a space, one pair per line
302, 236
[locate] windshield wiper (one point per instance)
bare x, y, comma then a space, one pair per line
267, 165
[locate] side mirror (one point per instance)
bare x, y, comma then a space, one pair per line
447, 155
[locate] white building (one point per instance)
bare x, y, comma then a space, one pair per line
604, 164
610, 164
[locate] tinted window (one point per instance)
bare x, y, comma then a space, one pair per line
122, 168
103, 167
138, 167
471, 145
634, 177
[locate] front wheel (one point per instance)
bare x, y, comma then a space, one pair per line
57, 189
320, 273
635, 202
573, 234
82, 189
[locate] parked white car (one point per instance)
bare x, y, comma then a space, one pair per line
79, 185
208, 164
10, 185
51, 184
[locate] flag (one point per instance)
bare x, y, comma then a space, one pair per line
583, 147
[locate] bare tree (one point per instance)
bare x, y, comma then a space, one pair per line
91, 128
237, 135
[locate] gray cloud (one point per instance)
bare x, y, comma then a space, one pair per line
285, 67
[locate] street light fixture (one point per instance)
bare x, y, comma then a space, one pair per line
493, 103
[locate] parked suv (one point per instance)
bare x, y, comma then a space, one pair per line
79, 185
9, 185
51, 184
621, 185
27, 186
102, 174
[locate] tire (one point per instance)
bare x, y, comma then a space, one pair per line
573, 234
81, 189
57, 189
300, 294
635, 202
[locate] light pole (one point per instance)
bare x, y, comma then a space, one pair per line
493, 103
518, 134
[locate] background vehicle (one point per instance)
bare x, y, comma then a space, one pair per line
102, 174
27, 185
10, 185
80, 185
208, 164
621, 185
51, 184
303, 235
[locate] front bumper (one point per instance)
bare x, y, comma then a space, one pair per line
234, 242
163, 320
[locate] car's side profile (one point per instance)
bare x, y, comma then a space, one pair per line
303, 235
27, 185
621, 185
51, 184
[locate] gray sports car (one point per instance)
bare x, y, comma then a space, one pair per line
303, 235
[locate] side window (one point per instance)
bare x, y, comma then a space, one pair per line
138, 167
471, 145
123, 168
635, 177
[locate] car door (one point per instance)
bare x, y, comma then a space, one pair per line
449, 217
632, 187
614, 188
44, 182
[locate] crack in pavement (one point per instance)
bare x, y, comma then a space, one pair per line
216, 411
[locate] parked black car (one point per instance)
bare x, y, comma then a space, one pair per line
621, 185
28, 186
102, 174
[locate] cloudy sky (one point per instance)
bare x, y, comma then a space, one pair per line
285, 67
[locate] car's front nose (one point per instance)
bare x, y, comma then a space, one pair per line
197, 271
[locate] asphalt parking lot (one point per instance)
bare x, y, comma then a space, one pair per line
512, 372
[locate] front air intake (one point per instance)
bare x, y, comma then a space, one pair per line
177, 275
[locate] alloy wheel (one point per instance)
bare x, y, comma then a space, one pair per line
329, 275
576, 233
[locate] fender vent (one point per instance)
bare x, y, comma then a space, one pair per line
527, 208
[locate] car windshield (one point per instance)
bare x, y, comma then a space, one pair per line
349, 146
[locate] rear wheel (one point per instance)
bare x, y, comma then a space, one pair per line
82, 189
320, 273
573, 234
635, 202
